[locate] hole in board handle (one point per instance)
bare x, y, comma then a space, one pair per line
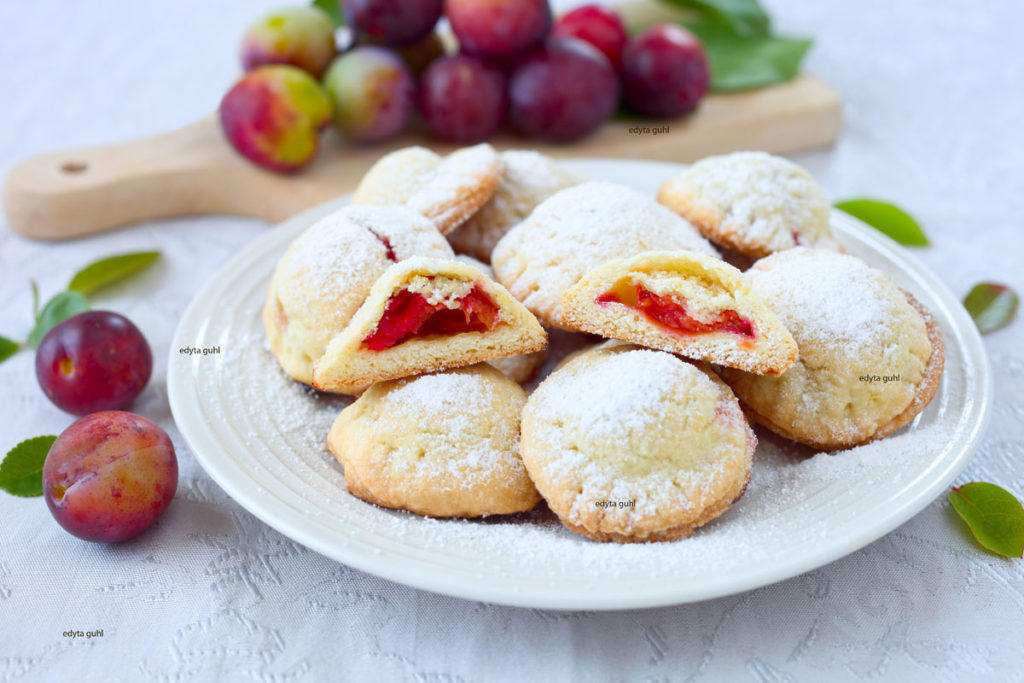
74, 167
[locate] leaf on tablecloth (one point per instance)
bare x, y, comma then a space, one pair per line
111, 270
994, 516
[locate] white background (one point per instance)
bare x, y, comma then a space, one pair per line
932, 119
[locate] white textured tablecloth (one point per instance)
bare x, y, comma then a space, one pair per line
933, 110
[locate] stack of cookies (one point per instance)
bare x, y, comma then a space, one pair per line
641, 434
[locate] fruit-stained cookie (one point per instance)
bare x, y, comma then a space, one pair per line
447, 190
577, 229
327, 273
529, 178
425, 315
751, 202
524, 366
634, 445
443, 445
683, 302
870, 356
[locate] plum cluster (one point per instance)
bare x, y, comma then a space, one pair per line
556, 81
111, 474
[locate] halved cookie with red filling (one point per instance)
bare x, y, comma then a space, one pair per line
683, 302
425, 315
329, 270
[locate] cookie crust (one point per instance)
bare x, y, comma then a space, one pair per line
631, 445
442, 445
871, 355
751, 202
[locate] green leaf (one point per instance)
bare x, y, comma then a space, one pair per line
57, 310
739, 63
991, 305
744, 18
994, 516
21, 472
333, 9
111, 270
887, 218
8, 347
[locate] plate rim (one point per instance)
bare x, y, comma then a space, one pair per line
189, 420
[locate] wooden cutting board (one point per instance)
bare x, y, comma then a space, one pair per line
194, 171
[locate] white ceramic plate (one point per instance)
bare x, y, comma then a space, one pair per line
261, 437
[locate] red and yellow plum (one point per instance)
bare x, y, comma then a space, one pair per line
373, 93
109, 476
272, 117
300, 36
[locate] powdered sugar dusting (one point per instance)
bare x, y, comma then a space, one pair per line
611, 410
445, 395
830, 299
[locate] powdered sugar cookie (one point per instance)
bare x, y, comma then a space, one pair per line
447, 190
443, 445
683, 302
871, 356
529, 178
577, 229
327, 273
633, 445
424, 315
751, 202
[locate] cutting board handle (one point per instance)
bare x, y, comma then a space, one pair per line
188, 171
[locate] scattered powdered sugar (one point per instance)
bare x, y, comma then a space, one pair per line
443, 395
793, 499
626, 395
828, 298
